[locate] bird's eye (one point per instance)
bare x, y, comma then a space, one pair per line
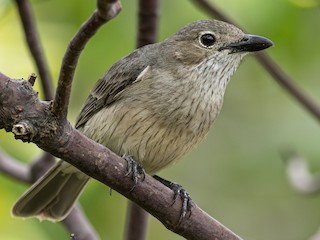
207, 40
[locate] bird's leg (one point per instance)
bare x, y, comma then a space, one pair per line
135, 169
178, 190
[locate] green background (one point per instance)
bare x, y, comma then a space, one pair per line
236, 174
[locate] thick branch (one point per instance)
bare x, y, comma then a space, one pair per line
33, 121
32, 37
107, 9
275, 71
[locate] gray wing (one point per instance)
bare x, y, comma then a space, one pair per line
123, 73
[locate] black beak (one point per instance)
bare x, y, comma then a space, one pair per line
250, 43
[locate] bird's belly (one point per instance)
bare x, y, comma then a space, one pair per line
152, 141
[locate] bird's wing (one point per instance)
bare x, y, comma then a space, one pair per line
122, 74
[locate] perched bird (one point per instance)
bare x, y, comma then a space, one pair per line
153, 106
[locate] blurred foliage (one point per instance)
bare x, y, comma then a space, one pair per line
236, 174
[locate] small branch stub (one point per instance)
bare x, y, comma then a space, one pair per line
24, 130
32, 78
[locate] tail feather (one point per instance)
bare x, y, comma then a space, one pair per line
53, 195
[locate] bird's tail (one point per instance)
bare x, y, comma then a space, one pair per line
53, 195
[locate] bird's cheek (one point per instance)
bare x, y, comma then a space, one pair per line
189, 57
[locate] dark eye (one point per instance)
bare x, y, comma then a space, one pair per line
207, 40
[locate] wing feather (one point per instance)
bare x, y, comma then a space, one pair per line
123, 73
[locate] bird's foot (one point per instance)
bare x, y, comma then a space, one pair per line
135, 170
178, 190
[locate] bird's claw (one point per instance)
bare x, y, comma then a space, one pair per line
187, 204
178, 190
135, 170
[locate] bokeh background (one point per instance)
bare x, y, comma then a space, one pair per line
237, 174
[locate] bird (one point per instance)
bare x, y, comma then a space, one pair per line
152, 106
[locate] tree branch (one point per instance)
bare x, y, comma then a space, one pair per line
32, 37
107, 9
274, 70
33, 121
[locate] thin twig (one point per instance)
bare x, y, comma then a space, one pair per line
33, 40
107, 9
213, 10
284, 80
137, 222
148, 22
78, 224
274, 70
32, 78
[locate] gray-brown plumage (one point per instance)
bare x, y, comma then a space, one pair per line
155, 105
